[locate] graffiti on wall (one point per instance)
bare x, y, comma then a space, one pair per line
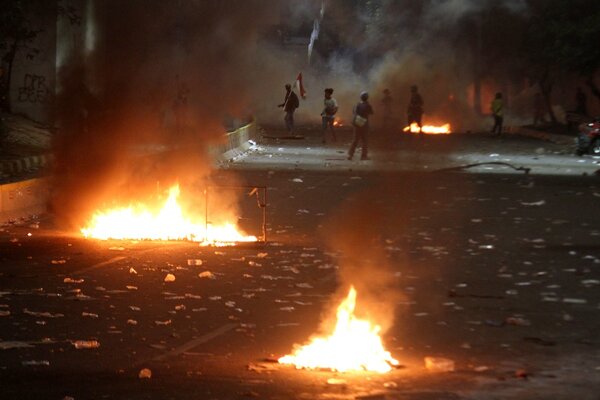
34, 89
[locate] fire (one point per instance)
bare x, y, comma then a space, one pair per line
429, 129
139, 222
338, 122
354, 345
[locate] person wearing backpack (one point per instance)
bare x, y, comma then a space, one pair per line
290, 103
361, 126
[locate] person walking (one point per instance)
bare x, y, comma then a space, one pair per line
361, 126
415, 108
497, 108
290, 103
328, 114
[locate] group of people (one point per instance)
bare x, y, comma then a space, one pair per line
361, 113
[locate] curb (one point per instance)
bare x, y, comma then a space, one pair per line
548, 137
24, 164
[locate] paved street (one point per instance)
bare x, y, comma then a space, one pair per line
493, 268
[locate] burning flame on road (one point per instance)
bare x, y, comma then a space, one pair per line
429, 129
338, 122
354, 345
140, 222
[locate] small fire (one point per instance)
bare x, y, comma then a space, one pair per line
338, 122
139, 222
354, 345
429, 129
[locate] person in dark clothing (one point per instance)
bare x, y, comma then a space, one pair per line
361, 126
290, 103
415, 107
580, 102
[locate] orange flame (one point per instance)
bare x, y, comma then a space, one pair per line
429, 129
338, 122
138, 222
354, 345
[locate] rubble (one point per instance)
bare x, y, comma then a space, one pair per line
439, 364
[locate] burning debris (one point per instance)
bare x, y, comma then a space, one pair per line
167, 222
354, 345
429, 129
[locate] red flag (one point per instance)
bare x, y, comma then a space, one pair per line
298, 85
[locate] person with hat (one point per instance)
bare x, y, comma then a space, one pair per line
361, 126
328, 114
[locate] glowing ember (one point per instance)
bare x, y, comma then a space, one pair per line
429, 129
354, 345
138, 222
338, 122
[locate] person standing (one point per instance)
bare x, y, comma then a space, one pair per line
290, 103
415, 108
362, 111
497, 108
328, 114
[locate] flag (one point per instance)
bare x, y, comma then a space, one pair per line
299, 86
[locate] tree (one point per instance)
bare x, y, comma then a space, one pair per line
16, 34
563, 39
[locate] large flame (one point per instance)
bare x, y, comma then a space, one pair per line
429, 129
354, 345
139, 222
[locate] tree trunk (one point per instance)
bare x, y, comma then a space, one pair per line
592, 85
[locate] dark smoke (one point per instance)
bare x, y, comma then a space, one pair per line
118, 101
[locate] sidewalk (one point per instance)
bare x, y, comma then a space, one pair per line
468, 152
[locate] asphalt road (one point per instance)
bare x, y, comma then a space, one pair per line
496, 271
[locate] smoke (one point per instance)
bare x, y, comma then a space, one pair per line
356, 233
162, 75
391, 44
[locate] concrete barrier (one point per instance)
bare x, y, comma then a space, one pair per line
236, 142
22, 199
25, 198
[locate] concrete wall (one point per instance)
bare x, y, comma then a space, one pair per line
22, 199
34, 70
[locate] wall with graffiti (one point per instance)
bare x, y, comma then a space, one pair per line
34, 70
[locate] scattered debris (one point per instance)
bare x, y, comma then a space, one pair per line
14, 345
36, 363
534, 204
86, 344
207, 274
439, 364
70, 280
145, 373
